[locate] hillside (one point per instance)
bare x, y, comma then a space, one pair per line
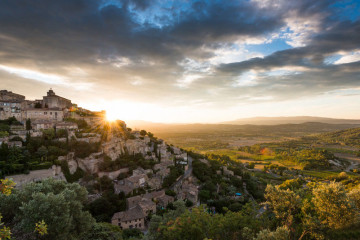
218, 136
349, 137
290, 120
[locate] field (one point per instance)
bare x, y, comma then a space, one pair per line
222, 139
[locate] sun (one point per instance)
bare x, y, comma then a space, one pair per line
111, 116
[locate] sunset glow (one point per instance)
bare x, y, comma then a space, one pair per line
166, 61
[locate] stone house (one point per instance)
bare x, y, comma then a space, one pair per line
66, 125
155, 182
15, 144
40, 124
51, 100
8, 95
133, 201
132, 218
159, 197
136, 181
120, 187
127, 185
162, 169
189, 191
55, 114
148, 206
11, 108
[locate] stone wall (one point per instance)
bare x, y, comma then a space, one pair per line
37, 175
113, 175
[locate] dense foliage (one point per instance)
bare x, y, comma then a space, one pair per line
58, 204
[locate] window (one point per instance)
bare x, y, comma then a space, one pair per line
50, 113
139, 225
136, 225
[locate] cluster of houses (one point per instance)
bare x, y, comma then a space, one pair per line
50, 112
139, 207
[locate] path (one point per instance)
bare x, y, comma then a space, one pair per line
186, 175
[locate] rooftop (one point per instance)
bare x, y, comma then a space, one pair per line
129, 215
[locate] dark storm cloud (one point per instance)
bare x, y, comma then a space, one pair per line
79, 31
115, 41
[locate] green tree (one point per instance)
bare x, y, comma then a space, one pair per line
6, 187
334, 207
42, 153
57, 203
281, 233
103, 231
284, 203
28, 124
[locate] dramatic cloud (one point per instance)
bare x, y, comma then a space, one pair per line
173, 53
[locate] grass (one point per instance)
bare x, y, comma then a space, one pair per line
325, 174
338, 150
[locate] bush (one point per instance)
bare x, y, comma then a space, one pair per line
44, 165
79, 173
132, 233
170, 192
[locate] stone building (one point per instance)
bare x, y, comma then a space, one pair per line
39, 124
160, 198
132, 218
10, 108
54, 101
189, 191
67, 126
54, 114
136, 181
10, 96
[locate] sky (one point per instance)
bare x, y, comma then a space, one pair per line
186, 61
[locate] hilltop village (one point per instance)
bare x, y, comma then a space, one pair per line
76, 145
108, 181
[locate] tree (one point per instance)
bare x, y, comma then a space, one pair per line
284, 203
57, 203
5, 189
103, 231
143, 133
28, 124
42, 152
354, 195
334, 207
281, 233
49, 134
132, 233
204, 195
38, 105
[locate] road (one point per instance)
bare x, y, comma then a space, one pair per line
186, 175
354, 161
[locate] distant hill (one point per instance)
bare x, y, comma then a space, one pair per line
290, 120
350, 137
